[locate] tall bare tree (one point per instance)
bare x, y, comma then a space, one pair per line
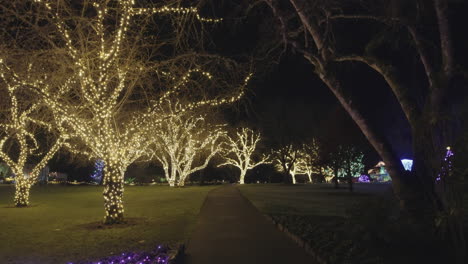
185, 143
24, 132
239, 151
351, 163
286, 160
309, 159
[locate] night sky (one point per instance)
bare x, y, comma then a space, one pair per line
285, 91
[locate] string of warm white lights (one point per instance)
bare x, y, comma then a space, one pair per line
175, 10
19, 128
183, 138
351, 162
205, 139
238, 151
100, 77
286, 159
307, 162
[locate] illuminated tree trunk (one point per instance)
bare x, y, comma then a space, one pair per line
293, 177
242, 177
172, 176
171, 182
22, 188
310, 177
113, 193
181, 182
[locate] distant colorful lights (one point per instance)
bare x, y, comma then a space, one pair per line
447, 165
98, 169
407, 164
364, 178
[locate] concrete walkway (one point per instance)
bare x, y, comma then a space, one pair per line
232, 230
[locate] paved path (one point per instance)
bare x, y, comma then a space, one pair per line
231, 230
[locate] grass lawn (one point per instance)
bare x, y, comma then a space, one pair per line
61, 225
345, 227
311, 199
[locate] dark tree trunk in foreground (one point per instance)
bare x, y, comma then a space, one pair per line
429, 192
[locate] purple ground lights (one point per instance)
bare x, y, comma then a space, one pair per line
363, 178
98, 169
158, 256
446, 165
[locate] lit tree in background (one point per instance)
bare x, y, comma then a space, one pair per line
352, 165
201, 147
239, 150
183, 140
308, 162
335, 161
98, 169
24, 129
327, 173
286, 160
108, 72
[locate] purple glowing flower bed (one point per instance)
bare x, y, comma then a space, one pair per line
363, 178
159, 255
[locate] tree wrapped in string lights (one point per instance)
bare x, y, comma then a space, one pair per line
201, 147
352, 164
185, 143
110, 65
286, 160
23, 133
239, 151
309, 159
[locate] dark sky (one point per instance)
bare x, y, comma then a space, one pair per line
290, 93
290, 101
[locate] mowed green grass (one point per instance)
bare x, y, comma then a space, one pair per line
61, 225
310, 199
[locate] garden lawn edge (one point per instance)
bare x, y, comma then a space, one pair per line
298, 240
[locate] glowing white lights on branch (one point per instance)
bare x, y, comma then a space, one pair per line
185, 143
174, 10
351, 162
308, 159
305, 160
20, 128
238, 151
286, 160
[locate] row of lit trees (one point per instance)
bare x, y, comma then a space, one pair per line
103, 71
309, 158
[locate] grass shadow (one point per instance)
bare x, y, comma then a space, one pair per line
10, 206
98, 225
